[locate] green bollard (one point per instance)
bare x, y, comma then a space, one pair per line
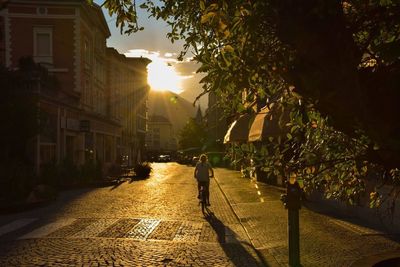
294, 237
292, 202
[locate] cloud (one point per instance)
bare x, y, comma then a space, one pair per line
142, 53
152, 55
164, 72
185, 69
179, 76
187, 77
169, 54
189, 59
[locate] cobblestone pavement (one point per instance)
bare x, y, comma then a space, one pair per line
158, 222
324, 240
153, 222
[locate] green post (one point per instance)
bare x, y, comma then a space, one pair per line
292, 202
294, 237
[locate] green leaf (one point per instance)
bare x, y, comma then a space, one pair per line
202, 5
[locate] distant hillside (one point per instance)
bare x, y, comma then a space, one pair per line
170, 105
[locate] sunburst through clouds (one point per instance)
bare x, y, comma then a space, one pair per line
162, 74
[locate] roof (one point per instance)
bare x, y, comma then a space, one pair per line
158, 118
94, 10
131, 61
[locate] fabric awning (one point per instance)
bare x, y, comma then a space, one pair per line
238, 131
267, 124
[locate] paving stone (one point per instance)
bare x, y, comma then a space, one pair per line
324, 241
49, 228
72, 229
165, 230
158, 222
120, 228
98, 226
189, 231
142, 229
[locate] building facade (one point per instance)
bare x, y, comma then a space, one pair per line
128, 93
160, 138
93, 111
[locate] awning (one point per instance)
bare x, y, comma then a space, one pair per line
267, 124
238, 131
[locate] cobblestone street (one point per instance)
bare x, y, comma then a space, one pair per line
154, 222
158, 222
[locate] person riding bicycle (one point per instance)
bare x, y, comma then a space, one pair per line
202, 174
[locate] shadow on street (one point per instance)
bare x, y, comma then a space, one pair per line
238, 248
117, 184
379, 226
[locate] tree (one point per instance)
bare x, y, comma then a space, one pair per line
19, 113
19, 117
192, 135
333, 64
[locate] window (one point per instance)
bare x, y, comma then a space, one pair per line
43, 45
87, 94
86, 52
41, 10
156, 144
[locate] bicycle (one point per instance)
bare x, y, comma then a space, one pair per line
203, 199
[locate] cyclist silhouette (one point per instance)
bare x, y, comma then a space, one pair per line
202, 173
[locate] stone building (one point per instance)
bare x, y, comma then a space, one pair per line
128, 91
96, 112
161, 137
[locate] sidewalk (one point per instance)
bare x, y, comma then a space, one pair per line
325, 240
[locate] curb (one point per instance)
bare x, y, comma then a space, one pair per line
259, 253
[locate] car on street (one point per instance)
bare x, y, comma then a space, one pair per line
195, 159
164, 158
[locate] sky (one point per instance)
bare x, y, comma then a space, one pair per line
165, 72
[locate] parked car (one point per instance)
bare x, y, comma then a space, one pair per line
195, 159
164, 158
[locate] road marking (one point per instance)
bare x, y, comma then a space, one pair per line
48, 228
143, 229
132, 228
189, 231
15, 225
119, 228
95, 228
165, 230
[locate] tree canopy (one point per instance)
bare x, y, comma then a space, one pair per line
333, 64
192, 135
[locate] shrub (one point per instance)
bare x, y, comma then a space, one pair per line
143, 170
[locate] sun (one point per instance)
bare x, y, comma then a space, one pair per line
163, 77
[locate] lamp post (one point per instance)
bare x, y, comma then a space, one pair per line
292, 202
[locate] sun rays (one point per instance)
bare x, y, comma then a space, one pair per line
162, 74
